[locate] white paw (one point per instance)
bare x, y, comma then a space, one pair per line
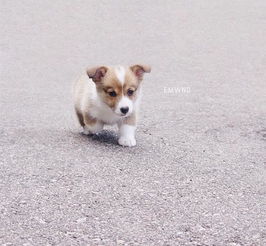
127, 141
92, 129
86, 131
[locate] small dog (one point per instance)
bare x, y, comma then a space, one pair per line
111, 97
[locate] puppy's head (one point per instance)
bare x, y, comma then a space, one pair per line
118, 87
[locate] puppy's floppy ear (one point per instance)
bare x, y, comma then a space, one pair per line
139, 70
96, 73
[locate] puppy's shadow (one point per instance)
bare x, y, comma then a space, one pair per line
105, 136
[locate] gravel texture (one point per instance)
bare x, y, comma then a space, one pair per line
197, 175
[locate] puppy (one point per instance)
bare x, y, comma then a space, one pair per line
110, 95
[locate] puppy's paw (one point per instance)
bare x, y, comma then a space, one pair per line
127, 141
89, 130
86, 131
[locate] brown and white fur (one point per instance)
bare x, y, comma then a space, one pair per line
110, 95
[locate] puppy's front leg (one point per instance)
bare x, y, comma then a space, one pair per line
92, 125
127, 131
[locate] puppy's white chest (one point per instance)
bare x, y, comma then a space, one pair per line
104, 114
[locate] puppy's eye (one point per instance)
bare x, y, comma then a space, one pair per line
112, 93
130, 92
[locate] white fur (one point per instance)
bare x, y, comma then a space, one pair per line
124, 102
87, 101
120, 74
101, 111
127, 135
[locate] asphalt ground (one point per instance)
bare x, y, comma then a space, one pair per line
197, 175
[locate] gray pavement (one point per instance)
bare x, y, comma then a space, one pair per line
197, 175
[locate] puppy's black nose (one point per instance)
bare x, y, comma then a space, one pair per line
124, 110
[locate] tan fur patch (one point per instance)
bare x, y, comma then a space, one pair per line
139, 70
132, 83
110, 83
88, 120
80, 118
